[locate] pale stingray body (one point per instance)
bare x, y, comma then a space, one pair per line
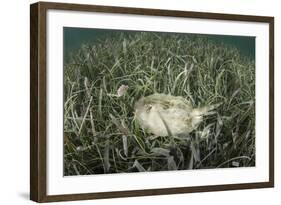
165, 115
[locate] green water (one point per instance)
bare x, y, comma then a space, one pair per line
75, 37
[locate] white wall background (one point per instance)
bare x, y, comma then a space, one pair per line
14, 103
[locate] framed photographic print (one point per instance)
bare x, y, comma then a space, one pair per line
134, 102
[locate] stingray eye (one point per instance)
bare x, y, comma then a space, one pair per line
148, 108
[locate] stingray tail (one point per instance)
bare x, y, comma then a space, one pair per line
206, 110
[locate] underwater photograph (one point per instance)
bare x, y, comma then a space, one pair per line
145, 101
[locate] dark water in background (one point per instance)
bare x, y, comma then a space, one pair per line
75, 37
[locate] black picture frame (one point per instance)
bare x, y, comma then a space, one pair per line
38, 103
